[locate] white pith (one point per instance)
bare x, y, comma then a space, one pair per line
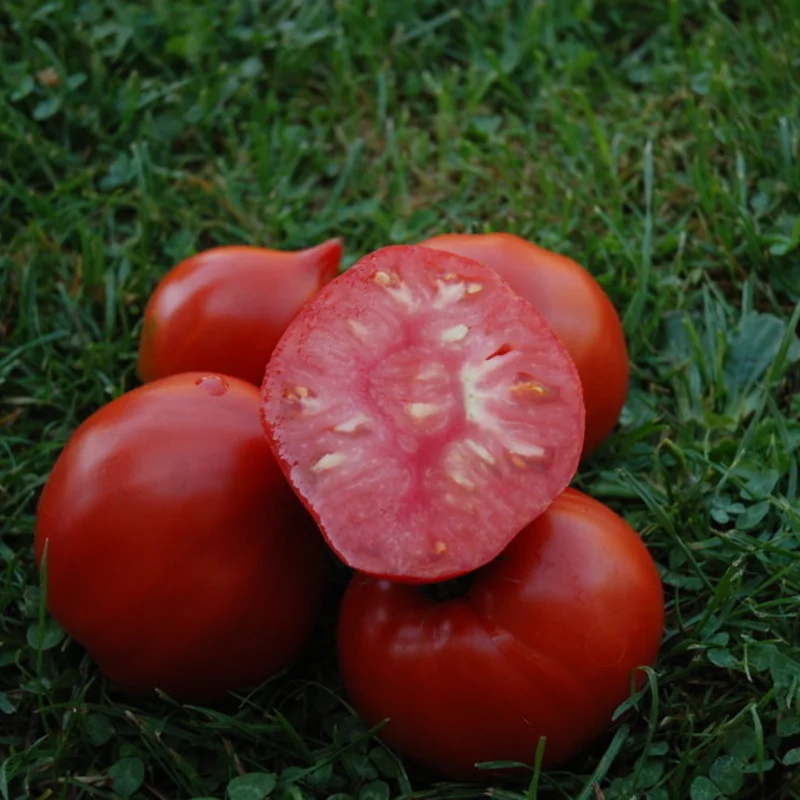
353, 424
484, 401
358, 329
422, 410
328, 461
448, 293
480, 450
476, 400
454, 334
309, 403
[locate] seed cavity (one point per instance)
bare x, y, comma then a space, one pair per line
303, 400
503, 350
328, 461
526, 385
421, 410
353, 424
528, 389
399, 290
527, 450
454, 334
403, 294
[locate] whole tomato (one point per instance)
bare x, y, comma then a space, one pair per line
577, 308
176, 552
544, 643
224, 309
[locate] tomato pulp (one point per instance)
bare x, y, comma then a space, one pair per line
577, 308
424, 413
224, 309
176, 552
545, 643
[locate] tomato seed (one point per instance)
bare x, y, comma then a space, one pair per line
353, 424
454, 334
328, 461
528, 388
421, 410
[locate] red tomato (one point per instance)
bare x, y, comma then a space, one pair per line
223, 310
576, 307
423, 412
543, 644
176, 552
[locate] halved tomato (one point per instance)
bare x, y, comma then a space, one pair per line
424, 413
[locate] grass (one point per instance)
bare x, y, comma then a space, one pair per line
658, 143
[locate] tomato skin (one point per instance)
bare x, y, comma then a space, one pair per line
543, 643
224, 309
177, 554
577, 308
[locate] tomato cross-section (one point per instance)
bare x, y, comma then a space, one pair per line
423, 412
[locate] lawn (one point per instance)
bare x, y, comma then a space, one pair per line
657, 143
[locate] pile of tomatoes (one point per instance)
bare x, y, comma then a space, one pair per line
420, 415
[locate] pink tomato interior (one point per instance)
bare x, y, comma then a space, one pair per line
424, 413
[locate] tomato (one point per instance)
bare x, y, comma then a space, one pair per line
176, 553
423, 412
544, 643
576, 307
223, 310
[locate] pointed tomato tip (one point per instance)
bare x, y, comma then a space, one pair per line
327, 257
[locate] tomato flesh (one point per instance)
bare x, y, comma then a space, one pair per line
574, 304
424, 413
